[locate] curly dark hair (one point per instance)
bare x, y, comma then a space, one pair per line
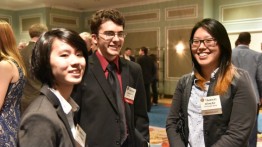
104, 15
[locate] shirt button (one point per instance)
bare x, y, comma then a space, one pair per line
117, 120
117, 142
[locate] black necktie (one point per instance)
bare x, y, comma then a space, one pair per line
114, 83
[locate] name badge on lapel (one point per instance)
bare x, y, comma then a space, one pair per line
211, 105
130, 95
80, 136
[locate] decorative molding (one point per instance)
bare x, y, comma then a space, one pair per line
174, 60
239, 31
241, 12
181, 12
124, 5
63, 20
139, 37
6, 18
25, 21
143, 16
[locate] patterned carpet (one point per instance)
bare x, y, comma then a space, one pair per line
157, 116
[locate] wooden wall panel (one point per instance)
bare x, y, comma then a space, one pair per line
143, 16
241, 12
25, 21
138, 38
178, 13
177, 64
58, 20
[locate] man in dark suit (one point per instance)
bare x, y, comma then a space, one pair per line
250, 60
107, 119
32, 86
128, 54
148, 68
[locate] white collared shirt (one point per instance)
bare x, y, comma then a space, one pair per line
195, 117
127, 57
69, 107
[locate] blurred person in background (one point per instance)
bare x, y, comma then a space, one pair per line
128, 54
155, 80
32, 85
91, 47
21, 45
251, 61
148, 69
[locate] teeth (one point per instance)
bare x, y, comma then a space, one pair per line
202, 54
75, 71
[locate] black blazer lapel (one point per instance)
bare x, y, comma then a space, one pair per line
97, 71
187, 92
54, 100
62, 116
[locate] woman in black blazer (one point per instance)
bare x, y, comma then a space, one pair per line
58, 61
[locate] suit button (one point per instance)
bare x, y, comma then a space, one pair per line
118, 142
117, 120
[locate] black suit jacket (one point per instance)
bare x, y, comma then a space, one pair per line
32, 85
148, 68
132, 58
99, 115
44, 123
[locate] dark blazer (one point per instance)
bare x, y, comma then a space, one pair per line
229, 129
32, 85
44, 123
99, 116
148, 68
251, 61
132, 58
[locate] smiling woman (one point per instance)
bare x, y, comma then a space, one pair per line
216, 98
71, 65
58, 61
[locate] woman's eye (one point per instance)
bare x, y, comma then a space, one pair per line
63, 55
